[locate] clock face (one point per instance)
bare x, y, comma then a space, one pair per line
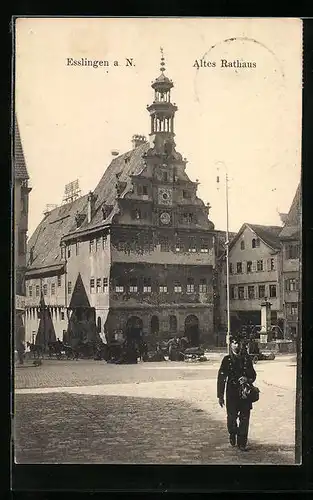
165, 218
165, 196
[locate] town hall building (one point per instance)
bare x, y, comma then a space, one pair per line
135, 256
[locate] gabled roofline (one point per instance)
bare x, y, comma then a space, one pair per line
241, 230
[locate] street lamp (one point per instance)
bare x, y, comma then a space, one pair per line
227, 253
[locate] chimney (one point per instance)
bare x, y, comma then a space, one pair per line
138, 140
91, 206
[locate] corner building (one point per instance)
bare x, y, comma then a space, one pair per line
136, 255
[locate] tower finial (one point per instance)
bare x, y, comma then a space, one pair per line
162, 60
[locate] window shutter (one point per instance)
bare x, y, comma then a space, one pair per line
287, 285
235, 292
254, 266
268, 263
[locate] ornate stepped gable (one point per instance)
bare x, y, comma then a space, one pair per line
146, 161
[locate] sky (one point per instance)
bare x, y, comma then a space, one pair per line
246, 121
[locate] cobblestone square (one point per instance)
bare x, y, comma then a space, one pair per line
158, 413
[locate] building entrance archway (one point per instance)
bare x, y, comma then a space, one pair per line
192, 330
134, 328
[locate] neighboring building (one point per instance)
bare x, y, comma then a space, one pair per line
254, 274
290, 237
136, 255
21, 195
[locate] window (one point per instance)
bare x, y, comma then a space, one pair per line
192, 246
255, 242
52, 288
68, 251
178, 246
261, 291
251, 293
241, 292
45, 289
37, 290
292, 251
272, 264
273, 291
165, 176
190, 285
98, 243
136, 214
242, 245
147, 285
163, 288
203, 286
62, 315
232, 292
92, 285
145, 190
294, 309
98, 285
249, 266
77, 248
177, 287
230, 268
291, 285
119, 287
186, 194
139, 189
259, 265
30, 289
204, 247
69, 287
239, 267
187, 218
165, 245
104, 241
91, 246
133, 287
105, 285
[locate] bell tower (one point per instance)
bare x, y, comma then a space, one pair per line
162, 110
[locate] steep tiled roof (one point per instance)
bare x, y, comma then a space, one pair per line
19, 165
292, 224
122, 166
268, 234
45, 241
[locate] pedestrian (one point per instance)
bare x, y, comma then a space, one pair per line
235, 372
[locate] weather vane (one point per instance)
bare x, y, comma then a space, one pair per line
162, 60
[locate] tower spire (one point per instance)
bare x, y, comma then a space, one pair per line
162, 69
162, 110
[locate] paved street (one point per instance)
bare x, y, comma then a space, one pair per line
93, 412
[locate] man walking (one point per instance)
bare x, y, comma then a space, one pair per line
235, 371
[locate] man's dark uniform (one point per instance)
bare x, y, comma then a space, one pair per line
232, 368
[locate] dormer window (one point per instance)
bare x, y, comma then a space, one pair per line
186, 194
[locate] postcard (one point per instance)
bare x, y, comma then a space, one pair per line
157, 270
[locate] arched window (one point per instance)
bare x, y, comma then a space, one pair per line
173, 323
154, 325
98, 324
253, 243
242, 245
